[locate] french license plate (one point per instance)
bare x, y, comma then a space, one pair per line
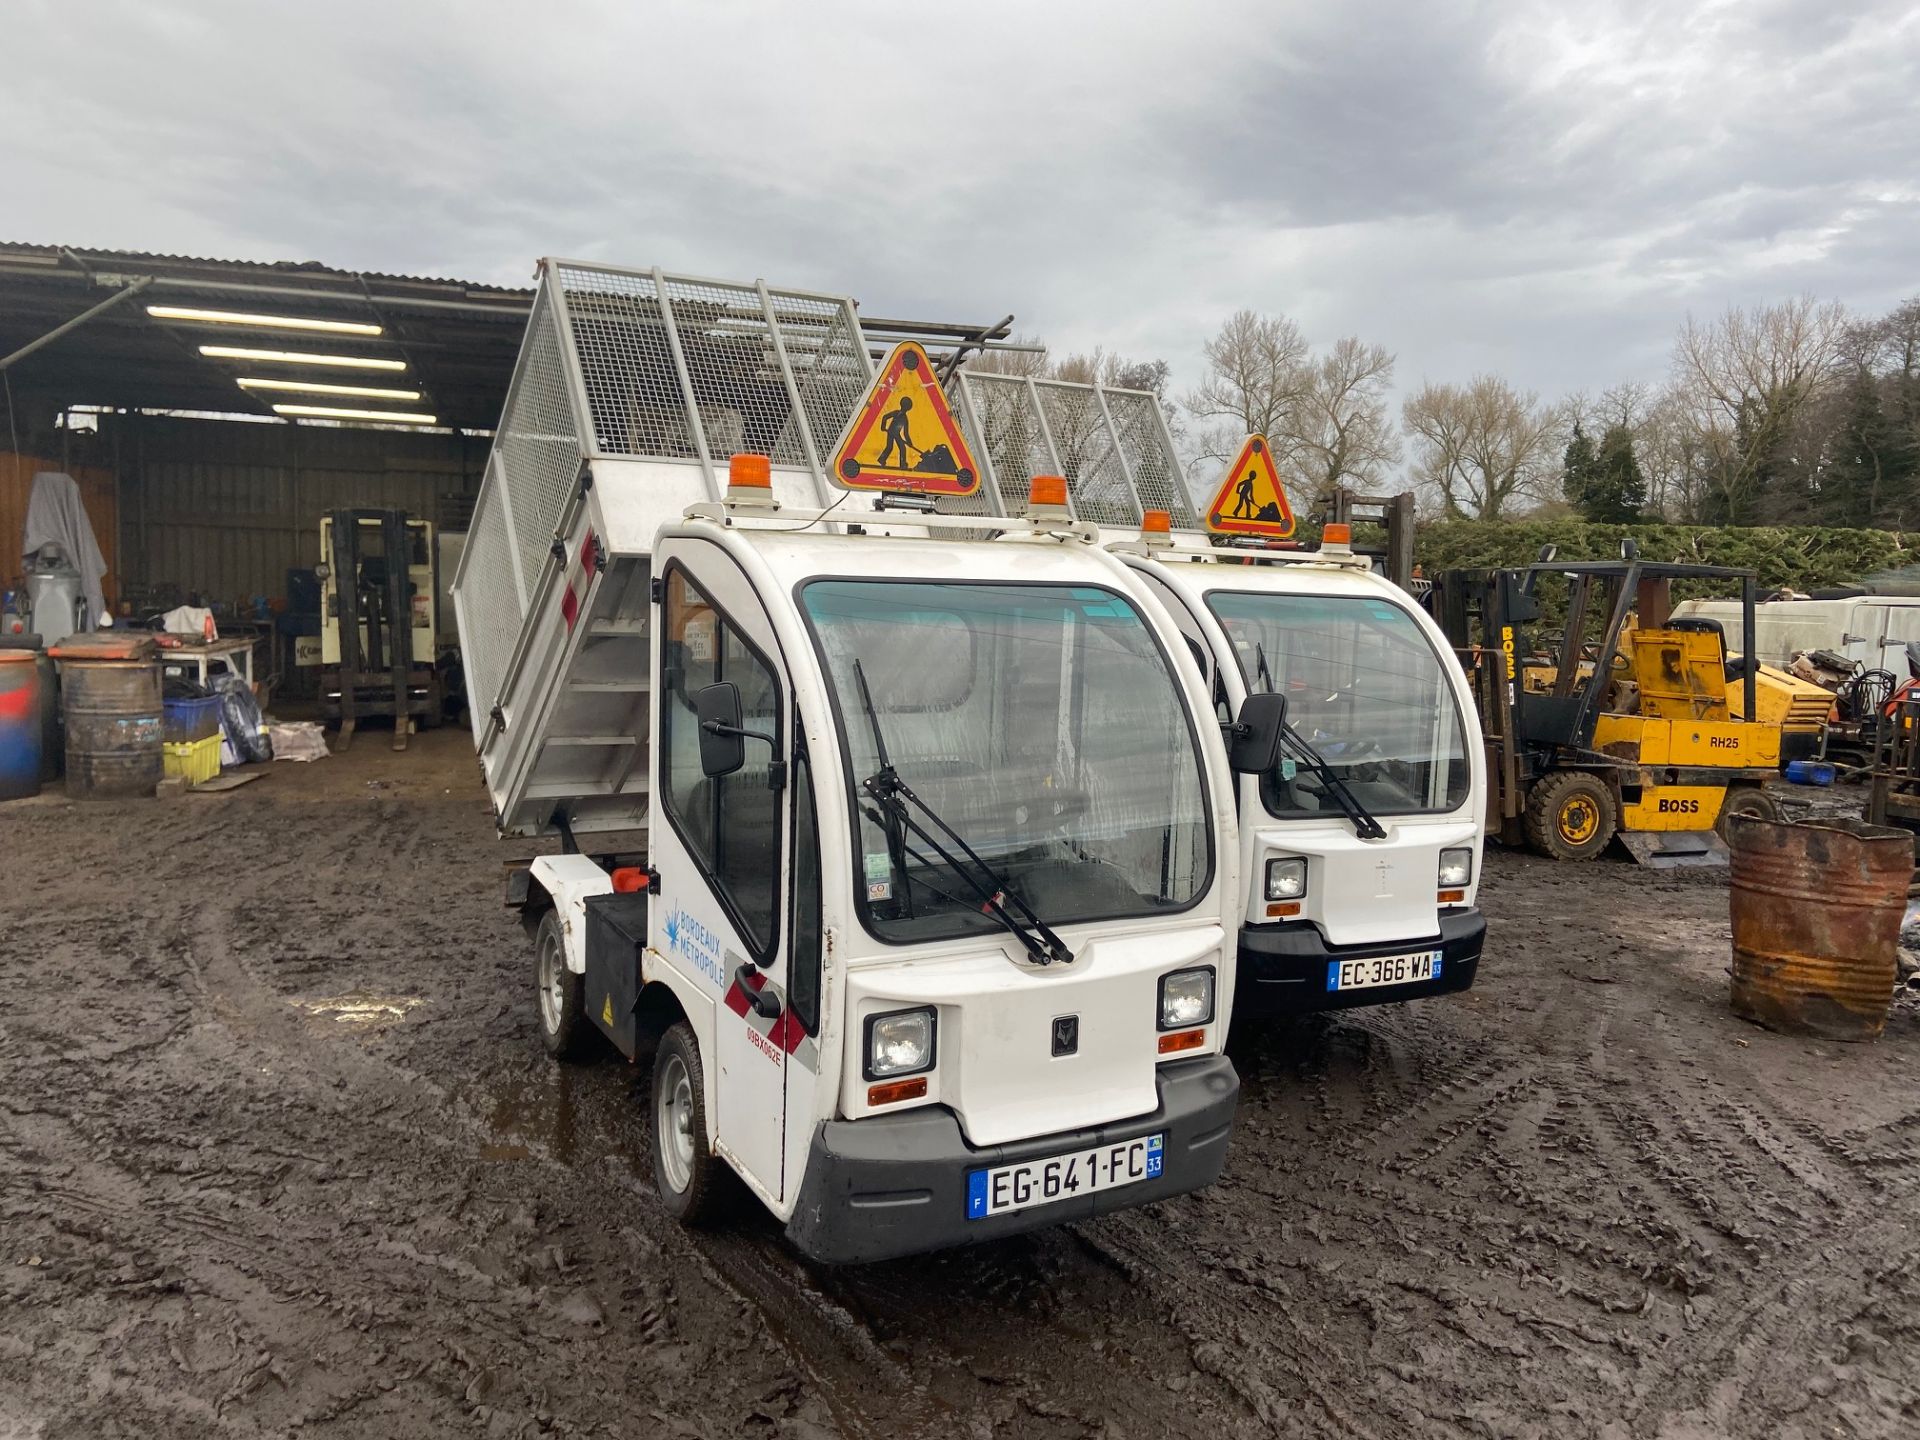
1062, 1177
1384, 970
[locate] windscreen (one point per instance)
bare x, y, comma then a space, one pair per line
1365, 688
1042, 723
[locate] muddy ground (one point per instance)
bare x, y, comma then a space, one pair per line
279, 1151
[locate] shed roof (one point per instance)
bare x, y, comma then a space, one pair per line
454, 339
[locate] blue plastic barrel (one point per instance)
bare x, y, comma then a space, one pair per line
1810, 772
20, 729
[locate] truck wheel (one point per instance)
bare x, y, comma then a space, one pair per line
1571, 816
1748, 800
564, 1027
684, 1169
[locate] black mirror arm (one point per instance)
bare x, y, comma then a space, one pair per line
716, 727
776, 769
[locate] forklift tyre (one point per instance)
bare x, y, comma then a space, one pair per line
564, 1027
685, 1170
1746, 800
1571, 816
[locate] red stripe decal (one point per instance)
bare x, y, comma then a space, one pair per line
789, 1032
570, 607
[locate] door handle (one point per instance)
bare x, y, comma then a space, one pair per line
766, 1006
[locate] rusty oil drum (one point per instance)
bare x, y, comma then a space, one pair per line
1816, 924
114, 731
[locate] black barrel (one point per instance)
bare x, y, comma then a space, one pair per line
114, 728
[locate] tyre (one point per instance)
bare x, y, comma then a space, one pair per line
684, 1168
1571, 816
1747, 800
562, 995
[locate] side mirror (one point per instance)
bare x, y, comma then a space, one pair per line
1253, 742
723, 745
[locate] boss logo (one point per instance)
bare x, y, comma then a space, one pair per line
1066, 1035
1679, 807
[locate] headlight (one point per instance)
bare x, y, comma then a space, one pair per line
1456, 868
1186, 998
1286, 879
900, 1042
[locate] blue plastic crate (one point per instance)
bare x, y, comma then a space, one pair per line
191, 720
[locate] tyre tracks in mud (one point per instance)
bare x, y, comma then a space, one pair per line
1576, 1198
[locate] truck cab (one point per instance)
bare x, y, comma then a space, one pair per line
1361, 845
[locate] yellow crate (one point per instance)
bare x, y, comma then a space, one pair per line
197, 760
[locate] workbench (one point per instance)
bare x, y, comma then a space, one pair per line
200, 660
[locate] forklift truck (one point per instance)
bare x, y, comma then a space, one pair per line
1637, 734
379, 588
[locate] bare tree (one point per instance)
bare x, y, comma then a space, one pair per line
1746, 380
1482, 448
1672, 457
1256, 380
1341, 431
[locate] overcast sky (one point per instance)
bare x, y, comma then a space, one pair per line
1537, 189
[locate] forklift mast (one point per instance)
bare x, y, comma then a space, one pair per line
1394, 515
376, 592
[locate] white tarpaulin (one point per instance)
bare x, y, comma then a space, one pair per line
55, 516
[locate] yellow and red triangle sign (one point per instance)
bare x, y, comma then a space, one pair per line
1250, 500
904, 436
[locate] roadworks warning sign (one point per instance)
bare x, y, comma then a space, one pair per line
1250, 500
904, 435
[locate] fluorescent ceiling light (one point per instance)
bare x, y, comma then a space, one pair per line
314, 387
295, 357
263, 322
332, 412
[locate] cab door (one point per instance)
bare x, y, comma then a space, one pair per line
722, 850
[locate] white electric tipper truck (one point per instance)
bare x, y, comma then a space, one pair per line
1360, 846
931, 935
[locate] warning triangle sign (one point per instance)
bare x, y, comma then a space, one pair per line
1250, 500
904, 436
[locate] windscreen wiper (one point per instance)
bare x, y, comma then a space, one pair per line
1364, 825
895, 796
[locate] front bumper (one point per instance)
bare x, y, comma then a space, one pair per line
894, 1185
1283, 968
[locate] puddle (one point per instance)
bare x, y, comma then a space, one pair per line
361, 1009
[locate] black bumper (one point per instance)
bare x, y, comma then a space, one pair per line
897, 1184
1283, 968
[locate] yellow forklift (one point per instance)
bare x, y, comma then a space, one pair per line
1635, 732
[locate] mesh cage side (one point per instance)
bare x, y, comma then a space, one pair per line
538, 443
734, 370
620, 338
1007, 435
1089, 458
830, 365
1157, 477
489, 600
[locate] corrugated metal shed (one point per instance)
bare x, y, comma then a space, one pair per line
227, 509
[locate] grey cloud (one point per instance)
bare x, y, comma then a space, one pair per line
1526, 187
